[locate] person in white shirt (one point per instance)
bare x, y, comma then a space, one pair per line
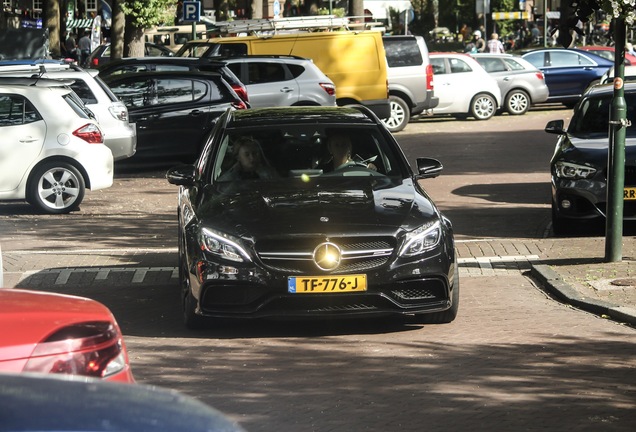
495, 45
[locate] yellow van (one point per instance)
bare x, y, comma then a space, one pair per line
355, 61
174, 37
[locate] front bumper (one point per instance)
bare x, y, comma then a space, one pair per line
222, 291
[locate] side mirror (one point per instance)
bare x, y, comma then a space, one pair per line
555, 127
182, 175
428, 168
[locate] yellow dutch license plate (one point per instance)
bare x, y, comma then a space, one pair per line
629, 193
326, 284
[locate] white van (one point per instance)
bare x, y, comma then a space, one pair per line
174, 37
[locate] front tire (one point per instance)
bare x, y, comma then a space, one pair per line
517, 102
56, 188
400, 114
483, 106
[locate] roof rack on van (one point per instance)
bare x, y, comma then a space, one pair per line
308, 23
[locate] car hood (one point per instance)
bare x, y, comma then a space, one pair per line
353, 205
32, 316
593, 151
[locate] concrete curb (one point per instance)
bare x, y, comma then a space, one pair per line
555, 285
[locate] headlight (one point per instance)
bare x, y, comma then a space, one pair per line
422, 239
573, 171
222, 246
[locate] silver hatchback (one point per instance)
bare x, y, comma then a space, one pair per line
275, 81
522, 85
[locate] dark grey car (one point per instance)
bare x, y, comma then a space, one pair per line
522, 85
579, 165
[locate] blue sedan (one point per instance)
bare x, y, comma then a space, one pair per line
568, 72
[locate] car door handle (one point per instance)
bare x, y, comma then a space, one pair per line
28, 139
286, 90
196, 113
507, 78
148, 118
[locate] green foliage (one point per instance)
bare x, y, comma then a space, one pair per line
148, 13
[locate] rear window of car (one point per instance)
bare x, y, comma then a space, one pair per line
591, 119
77, 106
514, 64
15, 110
402, 53
84, 92
491, 64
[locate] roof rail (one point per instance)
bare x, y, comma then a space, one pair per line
307, 23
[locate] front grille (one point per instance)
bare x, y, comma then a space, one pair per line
295, 256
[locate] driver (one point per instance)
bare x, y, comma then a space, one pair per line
339, 146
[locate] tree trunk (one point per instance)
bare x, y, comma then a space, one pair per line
133, 40
52, 23
257, 9
356, 9
117, 27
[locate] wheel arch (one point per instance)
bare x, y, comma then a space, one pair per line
404, 96
71, 161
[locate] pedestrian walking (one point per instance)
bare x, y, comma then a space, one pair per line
495, 45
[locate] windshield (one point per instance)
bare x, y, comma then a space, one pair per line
591, 119
281, 153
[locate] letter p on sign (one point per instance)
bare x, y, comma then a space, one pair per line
191, 11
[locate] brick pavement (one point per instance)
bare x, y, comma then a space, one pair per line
572, 269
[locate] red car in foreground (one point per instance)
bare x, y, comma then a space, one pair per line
55, 333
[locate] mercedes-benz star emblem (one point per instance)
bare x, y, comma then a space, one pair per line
327, 256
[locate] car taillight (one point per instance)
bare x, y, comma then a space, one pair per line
119, 111
95, 62
540, 75
241, 91
239, 104
90, 133
90, 349
329, 88
429, 77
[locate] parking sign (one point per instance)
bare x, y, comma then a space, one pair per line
191, 11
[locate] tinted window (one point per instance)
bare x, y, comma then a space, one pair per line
171, 91
296, 70
84, 92
232, 49
134, 93
592, 117
15, 110
401, 53
260, 73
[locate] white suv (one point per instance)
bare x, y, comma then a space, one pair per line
410, 77
119, 135
52, 148
282, 81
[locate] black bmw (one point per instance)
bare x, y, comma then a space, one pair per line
280, 218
